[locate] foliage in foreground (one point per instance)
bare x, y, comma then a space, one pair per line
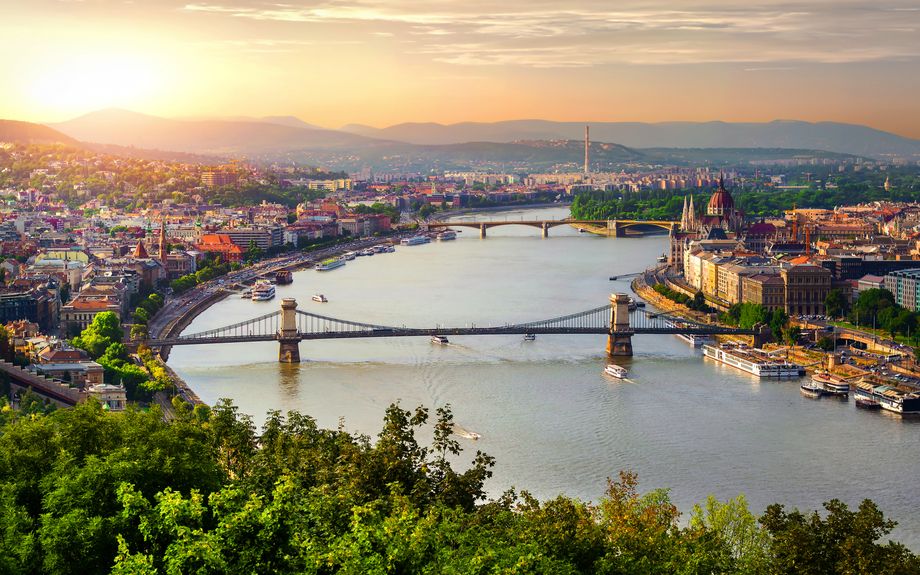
86, 491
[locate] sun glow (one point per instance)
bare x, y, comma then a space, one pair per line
94, 83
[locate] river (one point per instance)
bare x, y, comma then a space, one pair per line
554, 423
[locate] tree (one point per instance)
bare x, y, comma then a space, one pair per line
791, 334
778, 324
102, 332
826, 343
737, 528
844, 543
836, 304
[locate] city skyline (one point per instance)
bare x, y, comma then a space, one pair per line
384, 63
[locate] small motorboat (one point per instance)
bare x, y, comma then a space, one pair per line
439, 340
320, 298
530, 336
615, 371
867, 403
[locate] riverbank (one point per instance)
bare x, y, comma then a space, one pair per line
444, 215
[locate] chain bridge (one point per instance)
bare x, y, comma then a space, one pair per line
289, 326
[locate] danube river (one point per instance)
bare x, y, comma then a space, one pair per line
543, 408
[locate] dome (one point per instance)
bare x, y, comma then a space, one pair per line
721, 202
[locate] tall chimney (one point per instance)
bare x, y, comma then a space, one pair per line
587, 171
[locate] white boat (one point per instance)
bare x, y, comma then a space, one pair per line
754, 362
695, 340
530, 336
263, 290
447, 235
414, 241
319, 297
615, 371
830, 383
350, 256
890, 398
439, 339
330, 264
368, 252
662, 258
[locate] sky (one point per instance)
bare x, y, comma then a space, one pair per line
381, 63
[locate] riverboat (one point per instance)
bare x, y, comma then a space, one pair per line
530, 336
414, 241
388, 249
368, 252
447, 235
284, 278
755, 362
263, 290
350, 256
330, 264
439, 339
831, 384
378, 249
889, 397
812, 391
695, 340
320, 298
615, 371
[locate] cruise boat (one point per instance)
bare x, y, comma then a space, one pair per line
284, 277
831, 384
888, 397
615, 371
439, 339
812, 391
530, 336
263, 290
447, 235
319, 297
755, 362
414, 241
330, 264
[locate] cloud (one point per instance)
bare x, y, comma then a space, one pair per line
583, 33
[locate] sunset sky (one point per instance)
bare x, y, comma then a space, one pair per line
386, 62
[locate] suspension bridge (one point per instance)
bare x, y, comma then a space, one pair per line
289, 326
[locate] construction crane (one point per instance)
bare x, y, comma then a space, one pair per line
234, 162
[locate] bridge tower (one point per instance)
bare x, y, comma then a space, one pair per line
288, 338
545, 229
619, 342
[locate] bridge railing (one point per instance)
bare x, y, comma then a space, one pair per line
310, 323
267, 324
597, 318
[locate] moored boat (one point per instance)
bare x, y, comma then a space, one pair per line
812, 391
447, 235
755, 362
414, 241
439, 339
330, 264
263, 290
284, 277
867, 403
831, 384
615, 371
890, 398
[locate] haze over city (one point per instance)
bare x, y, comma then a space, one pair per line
383, 63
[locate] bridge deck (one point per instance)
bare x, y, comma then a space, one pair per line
398, 332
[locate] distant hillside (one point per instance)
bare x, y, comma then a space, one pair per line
125, 128
282, 120
164, 155
29, 133
830, 136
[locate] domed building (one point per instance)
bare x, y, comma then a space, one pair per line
721, 212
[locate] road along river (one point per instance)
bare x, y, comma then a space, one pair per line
543, 408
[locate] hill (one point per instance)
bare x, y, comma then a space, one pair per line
29, 133
830, 136
126, 128
282, 120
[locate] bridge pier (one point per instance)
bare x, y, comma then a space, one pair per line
288, 338
619, 341
545, 230
618, 231
482, 230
